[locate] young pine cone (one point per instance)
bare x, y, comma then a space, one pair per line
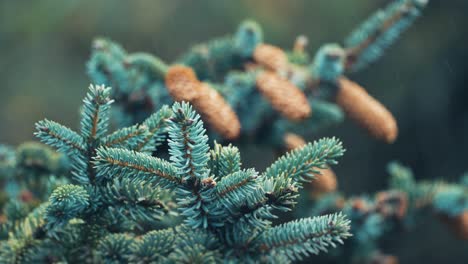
366, 111
285, 97
183, 85
271, 57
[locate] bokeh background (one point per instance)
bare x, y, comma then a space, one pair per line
44, 46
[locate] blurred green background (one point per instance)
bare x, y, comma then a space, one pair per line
44, 46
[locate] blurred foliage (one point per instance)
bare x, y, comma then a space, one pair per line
44, 46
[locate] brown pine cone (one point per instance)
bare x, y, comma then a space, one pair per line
183, 85
366, 111
271, 57
285, 97
217, 112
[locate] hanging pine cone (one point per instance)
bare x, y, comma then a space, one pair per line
285, 97
217, 112
271, 57
366, 111
183, 85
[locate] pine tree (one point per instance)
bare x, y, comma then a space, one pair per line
125, 205
111, 198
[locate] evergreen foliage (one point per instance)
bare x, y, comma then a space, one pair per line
405, 204
369, 41
232, 66
109, 198
125, 205
235, 206
28, 175
32, 170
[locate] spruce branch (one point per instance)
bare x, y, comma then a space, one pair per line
305, 236
153, 247
239, 182
134, 192
94, 122
147, 63
281, 191
190, 155
127, 136
406, 203
369, 41
66, 202
188, 145
158, 127
195, 254
136, 199
233, 189
328, 63
134, 165
247, 37
126, 195
61, 137
451, 200
301, 164
95, 113
224, 160
31, 226
195, 245
115, 248
105, 65
402, 177
239, 202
